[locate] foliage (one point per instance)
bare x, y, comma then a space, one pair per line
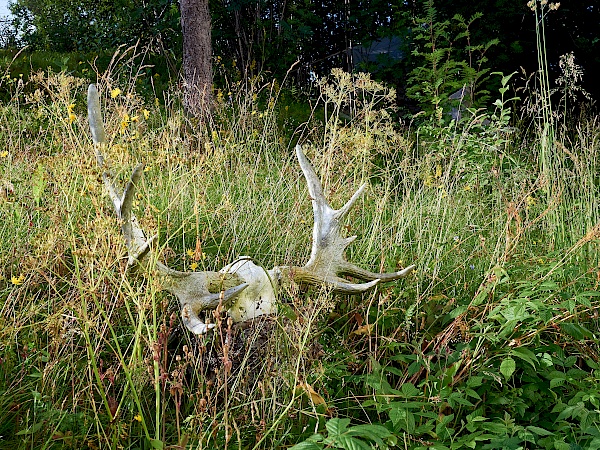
305, 40
492, 344
340, 436
444, 66
92, 26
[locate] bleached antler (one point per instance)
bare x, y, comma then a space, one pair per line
327, 261
196, 291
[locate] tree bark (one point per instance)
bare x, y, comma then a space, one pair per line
197, 56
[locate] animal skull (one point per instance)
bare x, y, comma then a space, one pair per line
247, 290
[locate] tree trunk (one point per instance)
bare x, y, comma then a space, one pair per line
197, 56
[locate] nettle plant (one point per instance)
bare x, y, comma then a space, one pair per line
246, 290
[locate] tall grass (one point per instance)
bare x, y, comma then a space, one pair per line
93, 355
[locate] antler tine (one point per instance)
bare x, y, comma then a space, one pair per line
341, 213
327, 261
196, 291
95, 120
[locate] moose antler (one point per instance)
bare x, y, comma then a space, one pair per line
327, 262
196, 291
245, 288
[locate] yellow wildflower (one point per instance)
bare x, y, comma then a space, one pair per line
194, 266
115, 93
17, 280
124, 122
4, 154
530, 201
429, 181
146, 113
190, 252
138, 417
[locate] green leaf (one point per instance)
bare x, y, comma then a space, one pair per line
286, 311
349, 443
471, 393
595, 444
336, 427
526, 355
376, 433
539, 431
548, 286
409, 390
307, 445
474, 381
31, 430
576, 331
438, 447
507, 367
157, 444
459, 398
584, 298
38, 184
402, 418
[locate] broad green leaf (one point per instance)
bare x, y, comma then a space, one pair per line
556, 382
548, 286
38, 184
476, 419
459, 398
409, 390
458, 311
347, 442
286, 311
307, 445
526, 355
471, 393
376, 433
336, 427
474, 381
595, 444
576, 331
584, 298
157, 444
539, 431
507, 367
31, 430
